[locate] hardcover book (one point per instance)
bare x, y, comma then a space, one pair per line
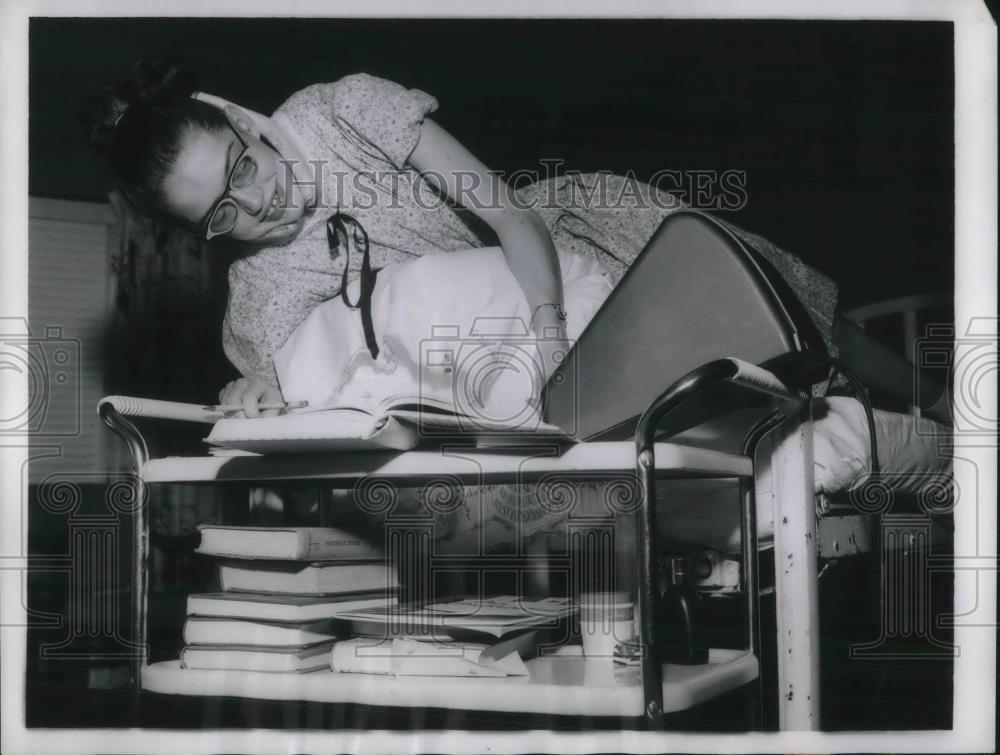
270, 659
276, 607
288, 543
204, 630
312, 579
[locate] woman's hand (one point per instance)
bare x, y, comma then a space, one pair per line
251, 394
524, 238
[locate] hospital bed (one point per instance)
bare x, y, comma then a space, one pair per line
707, 399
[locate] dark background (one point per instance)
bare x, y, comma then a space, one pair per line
845, 129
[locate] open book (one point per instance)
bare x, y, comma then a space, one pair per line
473, 617
399, 422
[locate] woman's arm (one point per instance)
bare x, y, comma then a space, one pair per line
526, 243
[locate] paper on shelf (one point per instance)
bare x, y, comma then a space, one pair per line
403, 657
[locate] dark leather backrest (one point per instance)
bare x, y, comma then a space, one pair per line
694, 294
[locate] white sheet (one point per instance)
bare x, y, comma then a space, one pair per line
912, 451
913, 456
326, 362
465, 303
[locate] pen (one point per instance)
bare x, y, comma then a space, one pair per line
262, 407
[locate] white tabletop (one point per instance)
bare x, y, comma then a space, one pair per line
470, 464
564, 684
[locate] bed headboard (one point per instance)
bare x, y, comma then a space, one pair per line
695, 293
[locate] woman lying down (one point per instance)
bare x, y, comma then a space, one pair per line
222, 171
469, 300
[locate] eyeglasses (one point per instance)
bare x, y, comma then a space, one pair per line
222, 217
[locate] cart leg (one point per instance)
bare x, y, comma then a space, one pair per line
139, 454
652, 682
140, 586
750, 581
795, 574
755, 702
751, 591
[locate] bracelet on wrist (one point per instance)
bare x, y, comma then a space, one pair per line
560, 312
549, 330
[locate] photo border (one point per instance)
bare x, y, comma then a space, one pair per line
975, 280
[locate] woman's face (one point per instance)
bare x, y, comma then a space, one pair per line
269, 210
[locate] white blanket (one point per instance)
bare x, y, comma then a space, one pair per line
913, 457
912, 451
451, 325
439, 319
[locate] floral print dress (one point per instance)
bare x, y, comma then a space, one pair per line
359, 132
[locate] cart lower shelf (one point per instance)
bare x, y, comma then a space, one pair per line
564, 683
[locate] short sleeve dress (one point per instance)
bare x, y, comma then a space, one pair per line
359, 131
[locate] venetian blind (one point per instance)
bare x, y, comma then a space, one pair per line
69, 296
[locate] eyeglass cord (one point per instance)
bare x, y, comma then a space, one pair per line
367, 283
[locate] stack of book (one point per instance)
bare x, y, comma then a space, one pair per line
283, 592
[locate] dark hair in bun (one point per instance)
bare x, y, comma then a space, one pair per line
139, 124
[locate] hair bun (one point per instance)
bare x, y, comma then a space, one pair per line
157, 82
152, 83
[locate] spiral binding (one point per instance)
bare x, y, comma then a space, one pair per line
757, 377
133, 406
